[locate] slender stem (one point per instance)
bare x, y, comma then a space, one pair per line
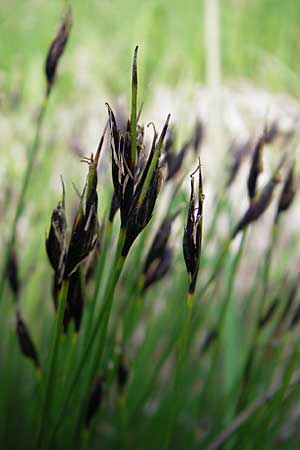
247, 413
179, 367
223, 313
250, 358
32, 154
52, 360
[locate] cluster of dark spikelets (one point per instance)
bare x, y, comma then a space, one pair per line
136, 179
56, 49
192, 238
288, 192
66, 254
159, 258
259, 201
240, 150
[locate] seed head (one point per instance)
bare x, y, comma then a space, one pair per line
56, 49
256, 167
265, 319
122, 375
159, 258
75, 299
85, 231
260, 203
145, 193
192, 239
174, 161
197, 137
288, 193
13, 275
239, 151
95, 400
26, 344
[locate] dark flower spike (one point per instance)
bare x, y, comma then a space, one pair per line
75, 299
145, 194
85, 231
25, 342
288, 193
295, 319
256, 166
261, 202
158, 269
239, 151
56, 49
208, 340
169, 141
122, 374
13, 275
159, 258
56, 240
175, 160
95, 400
192, 238
114, 206
271, 133
197, 136
265, 319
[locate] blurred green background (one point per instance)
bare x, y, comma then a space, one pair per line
260, 41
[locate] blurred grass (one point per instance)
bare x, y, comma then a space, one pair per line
260, 41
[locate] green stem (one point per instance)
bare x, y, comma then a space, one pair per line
179, 367
250, 358
52, 361
32, 154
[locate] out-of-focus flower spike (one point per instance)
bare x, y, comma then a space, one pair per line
94, 402
122, 374
56, 49
13, 275
261, 202
265, 319
159, 258
197, 137
239, 151
26, 344
287, 194
75, 299
256, 166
